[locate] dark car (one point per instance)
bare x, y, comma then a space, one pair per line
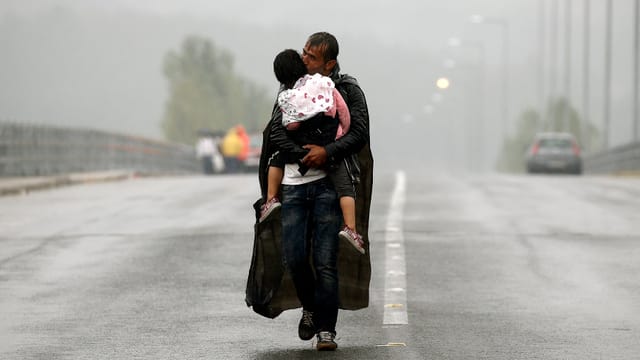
554, 152
255, 149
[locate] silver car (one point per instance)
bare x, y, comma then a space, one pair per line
554, 152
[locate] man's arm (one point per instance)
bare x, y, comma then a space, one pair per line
358, 134
284, 143
352, 141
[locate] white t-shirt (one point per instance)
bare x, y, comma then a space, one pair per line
293, 177
205, 147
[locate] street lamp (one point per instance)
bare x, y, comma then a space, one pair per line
636, 69
443, 83
504, 26
607, 73
476, 127
541, 57
586, 128
565, 121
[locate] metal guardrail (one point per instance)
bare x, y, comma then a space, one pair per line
34, 150
618, 160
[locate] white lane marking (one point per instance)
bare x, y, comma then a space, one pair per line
395, 282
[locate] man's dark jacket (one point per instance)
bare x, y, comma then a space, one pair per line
270, 289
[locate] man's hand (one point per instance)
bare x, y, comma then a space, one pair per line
316, 157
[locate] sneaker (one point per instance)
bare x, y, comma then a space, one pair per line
353, 238
306, 328
326, 341
267, 208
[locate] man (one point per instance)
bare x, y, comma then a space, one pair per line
205, 150
311, 216
232, 147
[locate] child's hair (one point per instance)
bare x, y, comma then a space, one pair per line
288, 67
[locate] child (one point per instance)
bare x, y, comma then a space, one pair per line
303, 97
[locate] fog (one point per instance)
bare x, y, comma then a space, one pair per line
97, 64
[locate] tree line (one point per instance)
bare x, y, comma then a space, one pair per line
205, 93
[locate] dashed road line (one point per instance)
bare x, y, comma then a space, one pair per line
395, 283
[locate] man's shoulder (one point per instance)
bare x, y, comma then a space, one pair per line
346, 80
348, 87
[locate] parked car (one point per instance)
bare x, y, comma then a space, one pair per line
252, 161
554, 152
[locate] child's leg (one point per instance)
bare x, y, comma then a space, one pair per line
274, 179
348, 206
346, 191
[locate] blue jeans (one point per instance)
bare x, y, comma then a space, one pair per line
311, 220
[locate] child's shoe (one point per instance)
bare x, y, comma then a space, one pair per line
353, 238
267, 208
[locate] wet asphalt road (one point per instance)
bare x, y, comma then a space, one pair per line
497, 267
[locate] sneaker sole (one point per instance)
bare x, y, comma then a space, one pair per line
347, 238
327, 346
267, 215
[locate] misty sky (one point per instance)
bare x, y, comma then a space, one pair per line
98, 64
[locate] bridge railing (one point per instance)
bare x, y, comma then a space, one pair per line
618, 160
33, 150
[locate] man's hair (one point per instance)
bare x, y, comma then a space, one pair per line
327, 43
288, 67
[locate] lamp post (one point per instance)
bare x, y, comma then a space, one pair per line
474, 132
585, 128
566, 113
504, 26
607, 74
636, 49
553, 41
541, 59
